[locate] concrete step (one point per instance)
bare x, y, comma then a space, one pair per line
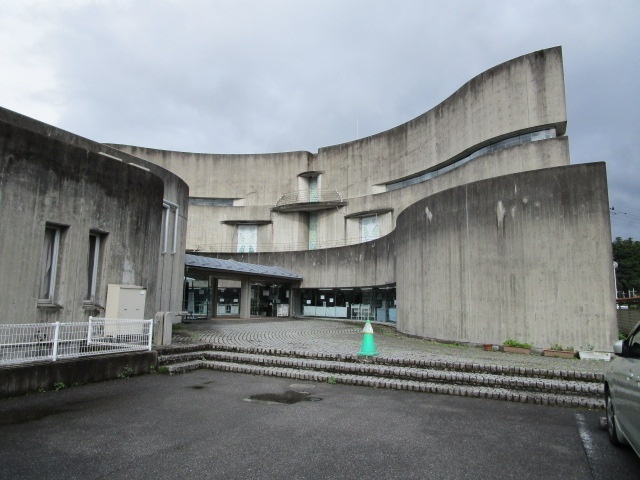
477, 391
435, 364
486, 381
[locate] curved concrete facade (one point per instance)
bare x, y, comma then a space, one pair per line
523, 95
523, 256
345, 217
55, 183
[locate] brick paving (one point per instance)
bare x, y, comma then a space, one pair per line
332, 337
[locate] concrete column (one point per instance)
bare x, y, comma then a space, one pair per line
245, 298
213, 285
294, 300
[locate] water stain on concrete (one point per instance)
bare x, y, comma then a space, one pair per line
288, 398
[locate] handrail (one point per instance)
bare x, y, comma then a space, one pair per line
309, 196
276, 247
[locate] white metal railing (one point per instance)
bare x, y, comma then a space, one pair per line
277, 247
309, 196
31, 342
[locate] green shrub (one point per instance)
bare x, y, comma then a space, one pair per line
514, 343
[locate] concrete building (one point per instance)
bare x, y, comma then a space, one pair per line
77, 216
467, 223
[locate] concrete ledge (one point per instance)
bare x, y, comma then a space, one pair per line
33, 377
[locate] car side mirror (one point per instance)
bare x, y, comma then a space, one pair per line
620, 347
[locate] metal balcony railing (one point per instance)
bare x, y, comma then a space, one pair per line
276, 247
309, 200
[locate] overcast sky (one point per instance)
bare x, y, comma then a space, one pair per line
257, 76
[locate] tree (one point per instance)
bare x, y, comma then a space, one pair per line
627, 255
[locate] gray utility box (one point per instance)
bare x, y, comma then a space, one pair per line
125, 302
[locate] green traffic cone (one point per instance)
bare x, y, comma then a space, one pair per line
368, 344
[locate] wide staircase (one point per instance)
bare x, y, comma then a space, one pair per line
500, 382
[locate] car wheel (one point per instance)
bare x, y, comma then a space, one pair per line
614, 437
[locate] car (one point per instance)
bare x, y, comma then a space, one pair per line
622, 392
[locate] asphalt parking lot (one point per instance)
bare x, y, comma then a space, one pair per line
201, 425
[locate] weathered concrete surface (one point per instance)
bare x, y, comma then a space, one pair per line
34, 377
199, 426
365, 264
48, 174
525, 256
522, 95
170, 267
46, 181
519, 244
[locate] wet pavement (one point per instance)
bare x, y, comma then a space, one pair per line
212, 424
201, 425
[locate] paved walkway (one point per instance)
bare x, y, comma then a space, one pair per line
337, 337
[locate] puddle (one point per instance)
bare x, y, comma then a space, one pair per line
200, 387
287, 398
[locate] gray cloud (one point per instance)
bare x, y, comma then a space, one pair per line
265, 76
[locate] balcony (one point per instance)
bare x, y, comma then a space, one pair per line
309, 201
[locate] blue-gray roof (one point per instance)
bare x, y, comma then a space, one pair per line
231, 266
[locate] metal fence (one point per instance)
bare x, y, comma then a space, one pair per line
309, 196
275, 247
32, 342
627, 319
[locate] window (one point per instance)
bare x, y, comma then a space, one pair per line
49, 263
313, 189
211, 202
168, 208
313, 230
247, 238
369, 228
96, 241
493, 147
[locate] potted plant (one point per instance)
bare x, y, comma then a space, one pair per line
514, 346
558, 350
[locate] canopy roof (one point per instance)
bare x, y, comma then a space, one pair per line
238, 268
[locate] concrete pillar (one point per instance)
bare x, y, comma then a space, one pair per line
163, 326
245, 298
213, 286
294, 301
158, 328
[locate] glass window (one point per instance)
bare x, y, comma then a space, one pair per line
93, 265
506, 143
313, 189
247, 238
49, 263
211, 202
369, 228
170, 234
313, 231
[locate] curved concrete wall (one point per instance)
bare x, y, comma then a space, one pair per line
48, 175
517, 242
525, 256
522, 95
